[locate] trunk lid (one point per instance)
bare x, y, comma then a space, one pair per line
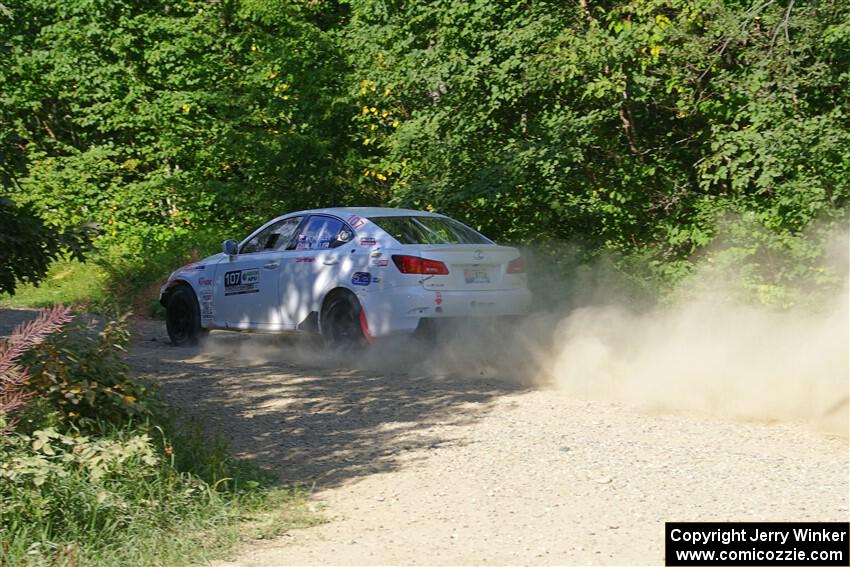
472, 267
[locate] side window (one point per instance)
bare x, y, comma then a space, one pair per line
320, 232
274, 237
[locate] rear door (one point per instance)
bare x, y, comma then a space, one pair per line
318, 259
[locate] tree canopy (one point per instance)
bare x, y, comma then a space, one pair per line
646, 127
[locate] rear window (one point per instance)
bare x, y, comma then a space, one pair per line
428, 230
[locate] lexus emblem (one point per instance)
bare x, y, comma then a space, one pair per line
478, 255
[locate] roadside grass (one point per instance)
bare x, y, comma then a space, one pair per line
175, 508
126, 274
202, 534
71, 282
68, 281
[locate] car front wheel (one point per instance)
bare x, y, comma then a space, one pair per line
183, 318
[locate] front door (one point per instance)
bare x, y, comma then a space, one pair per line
247, 290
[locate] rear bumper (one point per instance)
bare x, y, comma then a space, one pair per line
400, 309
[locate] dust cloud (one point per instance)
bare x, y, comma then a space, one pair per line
709, 354
702, 356
704, 353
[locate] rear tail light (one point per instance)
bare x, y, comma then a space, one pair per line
517, 266
417, 265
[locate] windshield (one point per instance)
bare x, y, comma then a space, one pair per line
428, 230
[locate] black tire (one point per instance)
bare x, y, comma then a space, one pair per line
183, 318
341, 326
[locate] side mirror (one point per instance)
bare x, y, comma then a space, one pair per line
230, 247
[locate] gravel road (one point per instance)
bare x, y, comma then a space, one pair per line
414, 465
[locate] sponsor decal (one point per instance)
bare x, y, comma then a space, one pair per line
205, 282
207, 309
239, 282
355, 221
438, 298
376, 253
376, 279
368, 242
383, 263
305, 259
361, 278
478, 255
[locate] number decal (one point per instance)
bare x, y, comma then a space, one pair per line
239, 282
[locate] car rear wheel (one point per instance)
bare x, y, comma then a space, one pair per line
342, 329
183, 318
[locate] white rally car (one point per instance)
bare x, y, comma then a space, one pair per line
350, 274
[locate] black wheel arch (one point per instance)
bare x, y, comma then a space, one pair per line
173, 286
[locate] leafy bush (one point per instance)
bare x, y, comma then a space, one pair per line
28, 245
139, 263
118, 498
81, 373
99, 472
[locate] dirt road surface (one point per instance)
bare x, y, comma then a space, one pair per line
413, 465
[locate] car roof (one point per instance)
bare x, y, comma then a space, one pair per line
366, 212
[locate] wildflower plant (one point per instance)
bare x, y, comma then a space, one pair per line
15, 378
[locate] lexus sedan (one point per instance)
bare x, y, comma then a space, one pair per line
352, 275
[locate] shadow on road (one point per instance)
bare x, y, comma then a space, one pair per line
312, 417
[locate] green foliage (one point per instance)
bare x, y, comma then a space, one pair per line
69, 282
28, 245
117, 498
81, 372
137, 266
56, 455
99, 472
635, 128
638, 127
170, 116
